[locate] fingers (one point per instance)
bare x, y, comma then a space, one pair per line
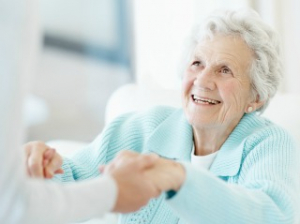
101, 168
143, 160
59, 171
126, 154
132, 159
49, 153
54, 166
128, 170
41, 160
35, 161
146, 161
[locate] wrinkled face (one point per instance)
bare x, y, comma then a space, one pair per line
216, 85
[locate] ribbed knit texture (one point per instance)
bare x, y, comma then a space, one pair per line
253, 179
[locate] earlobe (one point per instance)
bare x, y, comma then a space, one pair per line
254, 106
250, 109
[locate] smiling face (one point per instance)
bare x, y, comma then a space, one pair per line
216, 85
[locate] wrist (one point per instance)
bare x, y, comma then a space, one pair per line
179, 175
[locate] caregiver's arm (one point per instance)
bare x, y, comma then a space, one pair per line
123, 170
34, 201
24, 200
43, 161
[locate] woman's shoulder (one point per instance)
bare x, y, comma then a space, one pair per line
154, 113
262, 129
263, 125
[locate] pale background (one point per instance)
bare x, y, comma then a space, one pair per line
81, 51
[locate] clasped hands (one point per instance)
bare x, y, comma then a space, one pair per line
139, 177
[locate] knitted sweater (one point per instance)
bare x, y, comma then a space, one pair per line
253, 179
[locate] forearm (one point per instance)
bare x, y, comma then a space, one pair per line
34, 201
205, 198
53, 203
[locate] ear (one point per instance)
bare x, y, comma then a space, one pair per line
253, 106
259, 104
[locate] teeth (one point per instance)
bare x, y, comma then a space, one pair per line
198, 99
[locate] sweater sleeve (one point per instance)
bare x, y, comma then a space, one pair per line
84, 164
266, 190
128, 131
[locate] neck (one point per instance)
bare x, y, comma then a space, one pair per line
210, 140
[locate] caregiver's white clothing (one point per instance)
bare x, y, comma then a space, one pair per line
23, 200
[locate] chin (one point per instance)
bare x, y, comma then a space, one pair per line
198, 120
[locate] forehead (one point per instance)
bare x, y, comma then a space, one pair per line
230, 49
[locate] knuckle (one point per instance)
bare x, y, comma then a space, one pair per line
27, 149
122, 153
35, 143
110, 167
34, 167
57, 162
28, 146
145, 158
40, 144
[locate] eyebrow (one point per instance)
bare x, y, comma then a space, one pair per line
196, 55
219, 61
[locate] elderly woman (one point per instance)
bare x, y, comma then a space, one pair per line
234, 166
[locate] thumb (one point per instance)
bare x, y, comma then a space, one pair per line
146, 161
54, 165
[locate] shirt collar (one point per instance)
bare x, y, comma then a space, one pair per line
173, 139
228, 160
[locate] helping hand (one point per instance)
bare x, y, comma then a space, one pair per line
135, 189
141, 177
166, 174
42, 161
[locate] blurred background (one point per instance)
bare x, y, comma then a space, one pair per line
84, 55
81, 51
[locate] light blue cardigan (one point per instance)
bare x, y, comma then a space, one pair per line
254, 178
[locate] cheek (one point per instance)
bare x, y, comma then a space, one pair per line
187, 84
234, 96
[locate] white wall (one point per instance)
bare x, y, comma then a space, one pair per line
160, 28
161, 25
291, 45
285, 18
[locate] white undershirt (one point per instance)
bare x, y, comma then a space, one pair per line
202, 162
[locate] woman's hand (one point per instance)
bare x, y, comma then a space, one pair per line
135, 189
42, 161
166, 174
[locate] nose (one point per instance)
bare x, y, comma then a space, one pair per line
205, 80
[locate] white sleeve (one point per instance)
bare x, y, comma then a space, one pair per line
23, 200
53, 203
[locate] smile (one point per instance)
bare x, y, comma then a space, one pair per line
201, 100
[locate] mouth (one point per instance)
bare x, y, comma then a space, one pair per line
207, 101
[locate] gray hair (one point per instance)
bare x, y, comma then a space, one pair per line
266, 69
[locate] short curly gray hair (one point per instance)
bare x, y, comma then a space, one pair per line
266, 69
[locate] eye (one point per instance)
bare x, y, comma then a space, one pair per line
226, 70
196, 63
